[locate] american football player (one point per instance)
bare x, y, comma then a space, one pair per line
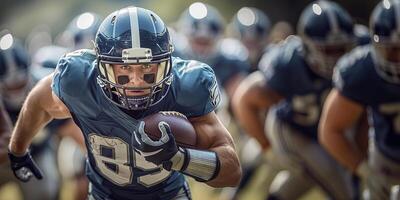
130, 75
15, 83
294, 80
368, 79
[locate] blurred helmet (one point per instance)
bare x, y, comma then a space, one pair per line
203, 25
252, 27
134, 36
251, 23
327, 32
82, 30
15, 80
385, 32
45, 60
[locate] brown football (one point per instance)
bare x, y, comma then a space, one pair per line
182, 129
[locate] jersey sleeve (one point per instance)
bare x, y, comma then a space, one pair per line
348, 78
198, 92
276, 70
70, 80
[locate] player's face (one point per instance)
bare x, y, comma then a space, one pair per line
389, 52
334, 51
136, 76
202, 45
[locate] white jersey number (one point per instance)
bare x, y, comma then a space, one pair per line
307, 110
116, 166
392, 108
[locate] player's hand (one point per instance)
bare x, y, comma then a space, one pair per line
161, 151
24, 167
373, 183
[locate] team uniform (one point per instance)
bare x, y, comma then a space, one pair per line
115, 167
292, 124
358, 79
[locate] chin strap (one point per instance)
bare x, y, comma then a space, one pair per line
199, 164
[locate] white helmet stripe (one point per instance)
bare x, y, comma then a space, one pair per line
396, 6
331, 17
134, 27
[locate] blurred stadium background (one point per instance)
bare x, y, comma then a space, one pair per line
22, 17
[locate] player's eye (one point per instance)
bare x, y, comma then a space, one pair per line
149, 78
123, 79
125, 67
146, 66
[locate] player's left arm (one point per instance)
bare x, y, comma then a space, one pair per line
214, 137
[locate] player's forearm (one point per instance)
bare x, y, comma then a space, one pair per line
230, 172
253, 122
340, 148
31, 119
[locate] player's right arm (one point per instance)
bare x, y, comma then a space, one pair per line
251, 102
40, 107
341, 114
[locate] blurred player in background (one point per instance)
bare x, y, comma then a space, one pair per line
15, 83
368, 79
295, 78
129, 76
250, 29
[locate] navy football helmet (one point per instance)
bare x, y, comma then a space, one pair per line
82, 30
252, 27
134, 36
327, 32
385, 32
203, 26
15, 81
251, 23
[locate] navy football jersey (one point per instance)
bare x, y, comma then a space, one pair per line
287, 73
115, 167
357, 78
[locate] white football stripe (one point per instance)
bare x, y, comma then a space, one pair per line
397, 15
331, 16
134, 27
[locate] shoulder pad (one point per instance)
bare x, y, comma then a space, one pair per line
72, 73
197, 91
351, 72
